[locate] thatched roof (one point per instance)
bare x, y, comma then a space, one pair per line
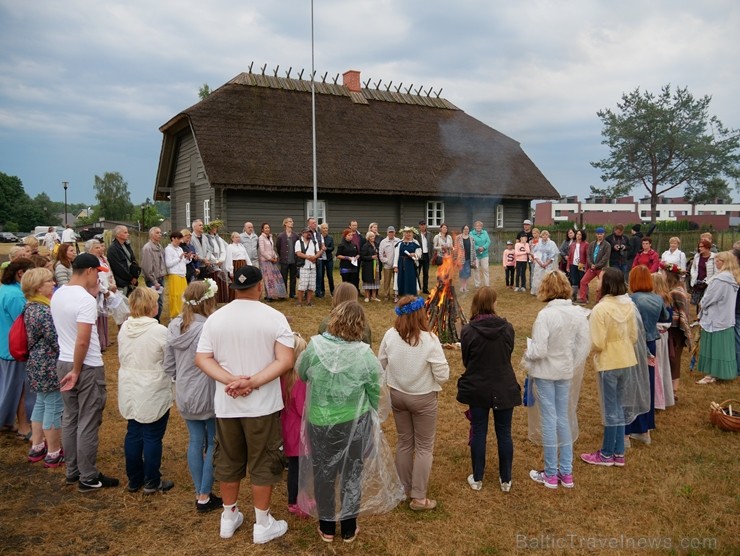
254, 133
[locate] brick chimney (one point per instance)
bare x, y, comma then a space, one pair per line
352, 80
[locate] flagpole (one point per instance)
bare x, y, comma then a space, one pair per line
313, 121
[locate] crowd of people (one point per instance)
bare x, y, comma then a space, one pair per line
257, 397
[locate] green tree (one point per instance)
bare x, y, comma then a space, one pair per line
111, 192
16, 209
50, 209
204, 91
713, 190
662, 142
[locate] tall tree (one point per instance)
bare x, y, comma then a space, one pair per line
716, 189
662, 142
114, 201
17, 212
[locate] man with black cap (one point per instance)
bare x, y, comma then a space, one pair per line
245, 347
74, 310
635, 243
424, 238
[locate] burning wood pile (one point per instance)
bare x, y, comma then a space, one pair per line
446, 317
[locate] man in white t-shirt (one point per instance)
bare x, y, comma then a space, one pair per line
68, 235
307, 252
74, 310
245, 347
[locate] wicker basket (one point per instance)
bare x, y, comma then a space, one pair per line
719, 415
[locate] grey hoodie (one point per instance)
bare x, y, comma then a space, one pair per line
194, 390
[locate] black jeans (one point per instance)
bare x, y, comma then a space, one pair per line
353, 278
510, 275
423, 272
521, 274
338, 454
288, 272
479, 425
292, 479
327, 269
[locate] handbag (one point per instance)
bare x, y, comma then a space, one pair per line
18, 339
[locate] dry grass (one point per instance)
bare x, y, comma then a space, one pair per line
681, 489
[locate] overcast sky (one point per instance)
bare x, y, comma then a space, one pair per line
85, 84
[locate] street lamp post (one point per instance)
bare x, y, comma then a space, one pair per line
65, 184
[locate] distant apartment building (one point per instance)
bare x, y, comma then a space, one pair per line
626, 210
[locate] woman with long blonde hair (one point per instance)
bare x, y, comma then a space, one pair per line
717, 320
194, 390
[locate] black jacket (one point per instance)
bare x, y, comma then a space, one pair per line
489, 379
347, 249
123, 272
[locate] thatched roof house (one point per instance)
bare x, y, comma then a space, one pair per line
245, 153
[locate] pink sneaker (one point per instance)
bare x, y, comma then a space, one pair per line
596, 458
296, 510
618, 460
540, 477
566, 480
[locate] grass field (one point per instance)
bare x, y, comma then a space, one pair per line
679, 495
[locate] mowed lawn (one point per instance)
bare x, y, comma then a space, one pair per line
679, 495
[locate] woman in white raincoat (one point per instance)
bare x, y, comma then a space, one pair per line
544, 255
555, 359
348, 468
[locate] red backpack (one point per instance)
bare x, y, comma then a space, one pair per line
18, 339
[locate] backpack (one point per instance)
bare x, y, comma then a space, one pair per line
18, 339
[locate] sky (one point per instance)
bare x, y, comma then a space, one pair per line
85, 85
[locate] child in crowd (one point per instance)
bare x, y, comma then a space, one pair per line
294, 399
144, 392
522, 259
509, 262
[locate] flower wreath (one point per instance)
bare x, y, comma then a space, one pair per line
412, 307
208, 294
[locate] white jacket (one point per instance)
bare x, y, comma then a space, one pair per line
145, 392
561, 341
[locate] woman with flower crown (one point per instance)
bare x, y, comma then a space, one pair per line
194, 390
415, 368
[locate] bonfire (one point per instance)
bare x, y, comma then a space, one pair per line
446, 317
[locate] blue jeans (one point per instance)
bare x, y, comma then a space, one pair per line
553, 397
200, 453
624, 267
319, 278
143, 449
48, 410
479, 426
612, 383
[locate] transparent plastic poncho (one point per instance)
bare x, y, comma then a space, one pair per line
348, 468
577, 342
632, 383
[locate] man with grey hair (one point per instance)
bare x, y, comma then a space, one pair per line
123, 261
250, 241
202, 248
152, 265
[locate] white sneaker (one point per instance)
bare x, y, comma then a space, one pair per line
475, 485
229, 526
506, 487
262, 534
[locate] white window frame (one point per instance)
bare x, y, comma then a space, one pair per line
320, 215
206, 211
187, 215
500, 216
435, 214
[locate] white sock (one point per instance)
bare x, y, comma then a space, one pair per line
38, 447
230, 511
262, 517
52, 455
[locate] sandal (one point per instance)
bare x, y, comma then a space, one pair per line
24, 437
353, 537
324, 537
422, 505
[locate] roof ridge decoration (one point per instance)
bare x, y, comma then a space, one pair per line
381, 92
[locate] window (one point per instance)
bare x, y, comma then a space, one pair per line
206, 211
435, 213
557, 213
187, 215
320, 215
500, 216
